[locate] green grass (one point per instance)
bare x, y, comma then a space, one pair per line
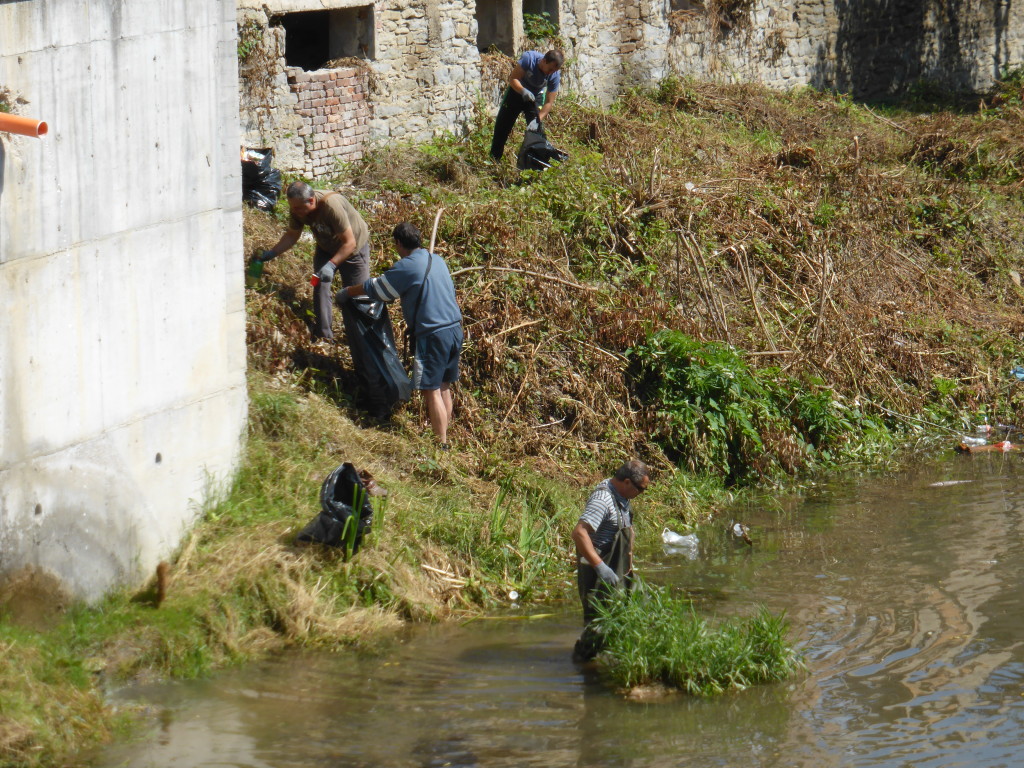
653, 636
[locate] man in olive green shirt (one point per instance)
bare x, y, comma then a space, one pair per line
342, 245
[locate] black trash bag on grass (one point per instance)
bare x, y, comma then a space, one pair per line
261, 182
536, 153
345, 512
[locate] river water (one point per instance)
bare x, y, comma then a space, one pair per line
905, 597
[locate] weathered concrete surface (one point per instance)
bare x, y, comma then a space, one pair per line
122, 357
872, 49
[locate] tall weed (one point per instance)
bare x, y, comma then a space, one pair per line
652, 636
711, 412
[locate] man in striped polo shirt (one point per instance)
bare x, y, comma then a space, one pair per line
604, 546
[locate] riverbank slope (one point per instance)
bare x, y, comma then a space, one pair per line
739, 287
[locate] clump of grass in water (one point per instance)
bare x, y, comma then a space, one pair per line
652, 636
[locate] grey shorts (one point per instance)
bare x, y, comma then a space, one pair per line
437, 358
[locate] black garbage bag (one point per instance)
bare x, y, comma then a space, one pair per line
345, 512
261, 182
375, 357
536, 152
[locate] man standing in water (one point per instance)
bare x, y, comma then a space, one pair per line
535, 72
604, 546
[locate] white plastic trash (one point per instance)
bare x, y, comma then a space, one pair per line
974, 441
673, 539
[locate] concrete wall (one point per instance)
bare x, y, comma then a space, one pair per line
122, 357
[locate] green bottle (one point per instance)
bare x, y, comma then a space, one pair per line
255, 268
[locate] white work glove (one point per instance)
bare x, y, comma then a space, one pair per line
606, 574
326, 273
533, 125
528, 96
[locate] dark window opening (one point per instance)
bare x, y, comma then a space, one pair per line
314, 38
544, 13
494, 25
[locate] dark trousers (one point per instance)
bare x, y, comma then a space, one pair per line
593, 591
355, 270
512, 106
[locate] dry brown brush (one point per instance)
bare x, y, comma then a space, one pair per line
822, 238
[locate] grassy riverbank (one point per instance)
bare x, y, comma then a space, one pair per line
749, 286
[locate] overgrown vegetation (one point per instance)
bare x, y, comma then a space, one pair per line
258, 64
540, 27
655, 637
715, 414
742, 283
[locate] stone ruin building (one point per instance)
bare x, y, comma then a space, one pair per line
322, 80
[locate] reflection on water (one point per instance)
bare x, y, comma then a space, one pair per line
905, 597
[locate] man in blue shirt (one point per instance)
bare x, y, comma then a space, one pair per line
424, 284
534, 73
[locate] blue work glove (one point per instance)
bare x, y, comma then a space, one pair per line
607, 575
529, 96
266, 256
326, 273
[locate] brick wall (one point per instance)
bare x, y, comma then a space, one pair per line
334, 107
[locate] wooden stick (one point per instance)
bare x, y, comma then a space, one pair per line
822, 298
748, 278
701, 283
527, 272
433, 234
886, 120
516, 328
522, 386
718, 295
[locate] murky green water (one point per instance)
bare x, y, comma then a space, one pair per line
905, 596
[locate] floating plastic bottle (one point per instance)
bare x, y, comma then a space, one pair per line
973, 442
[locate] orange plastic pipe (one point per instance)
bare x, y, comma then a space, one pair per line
26, 126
